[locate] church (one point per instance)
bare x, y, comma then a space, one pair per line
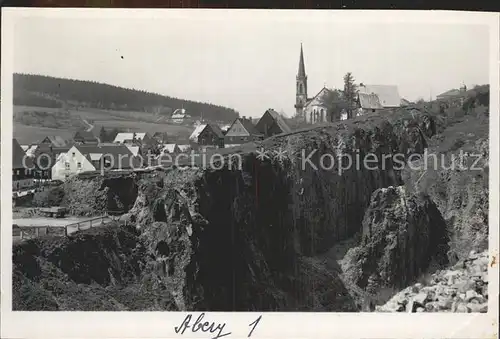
327, 106
319, 108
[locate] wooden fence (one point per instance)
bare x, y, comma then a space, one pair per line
29, 232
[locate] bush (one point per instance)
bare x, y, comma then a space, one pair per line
85, 197
49, 197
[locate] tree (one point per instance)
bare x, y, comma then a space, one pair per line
103, 136
349, 93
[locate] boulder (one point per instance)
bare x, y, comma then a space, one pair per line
462, 308
402, 234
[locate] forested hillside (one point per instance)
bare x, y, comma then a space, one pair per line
45, 91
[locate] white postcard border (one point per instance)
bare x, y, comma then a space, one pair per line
272, 325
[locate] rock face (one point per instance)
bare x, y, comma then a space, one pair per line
251, 238
463, 288
402, 235
455, 174
208, 246
248, 239
94, 270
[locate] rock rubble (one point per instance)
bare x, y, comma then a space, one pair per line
463, 288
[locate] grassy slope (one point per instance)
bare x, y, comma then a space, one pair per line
136, 122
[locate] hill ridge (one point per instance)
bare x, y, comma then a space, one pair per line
55, 92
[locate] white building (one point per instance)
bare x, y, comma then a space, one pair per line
85, 158
180, 116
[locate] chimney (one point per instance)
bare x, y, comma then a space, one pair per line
243, 118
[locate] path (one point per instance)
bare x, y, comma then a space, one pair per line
91, 127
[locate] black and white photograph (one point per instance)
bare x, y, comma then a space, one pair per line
222, 161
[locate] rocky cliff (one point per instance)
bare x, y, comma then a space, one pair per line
403, 236
258, 237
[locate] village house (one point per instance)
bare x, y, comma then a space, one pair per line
145, 141
405, 103
271, 123
22, 168
453, 97
170, 149
142, 139
135, 150
160, 137
55, 141
46, 154
241, 131
224, 128
184, 148
29, 150
167, 151
372, 98
84, 158
180, 116
85, 137
207, 135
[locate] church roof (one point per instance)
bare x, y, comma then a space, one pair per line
320, 97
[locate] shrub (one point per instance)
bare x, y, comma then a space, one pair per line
85, 197
49, 197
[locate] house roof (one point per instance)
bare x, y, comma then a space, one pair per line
369, 101
323, 97
320, 95
196, 132
133, 149
216, 129
279, 120
247, 125
122, 137
31, 150
113, 151
451, 93
405, 102
57, 140
169, 148
18, 155
388, 95
95, 156
184, 148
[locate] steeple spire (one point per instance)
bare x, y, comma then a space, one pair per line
302, 68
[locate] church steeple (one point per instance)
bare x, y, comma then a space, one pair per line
302, 68
301, 83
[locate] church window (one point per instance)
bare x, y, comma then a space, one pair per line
301, 88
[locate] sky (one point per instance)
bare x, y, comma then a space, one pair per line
249, 63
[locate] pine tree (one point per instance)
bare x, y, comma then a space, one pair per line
103, 136
349, 93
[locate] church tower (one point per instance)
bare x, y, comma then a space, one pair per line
301, 83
